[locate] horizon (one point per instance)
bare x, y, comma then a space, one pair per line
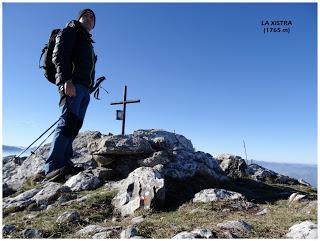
247, 161
204, 70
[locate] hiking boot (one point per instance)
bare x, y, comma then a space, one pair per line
57, 175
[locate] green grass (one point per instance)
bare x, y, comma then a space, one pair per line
167, 223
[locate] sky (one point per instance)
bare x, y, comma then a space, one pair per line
206, 71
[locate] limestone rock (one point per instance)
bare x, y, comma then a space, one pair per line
160, 157
262, 174
49, 193
33, 233
197, 233
120, 145
83, 181
8, 228
143, 188
163, 140
234, 166
238, 225
93, 229
69, 216
209, 195
21, 201
187, 164
304, 230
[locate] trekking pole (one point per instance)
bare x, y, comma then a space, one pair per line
33, 152
37, 138
96, 87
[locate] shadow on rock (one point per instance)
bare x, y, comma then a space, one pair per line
179, 192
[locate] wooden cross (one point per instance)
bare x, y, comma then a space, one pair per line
124, 103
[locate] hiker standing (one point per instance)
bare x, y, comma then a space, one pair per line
74, 60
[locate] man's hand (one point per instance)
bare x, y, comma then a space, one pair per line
69, 88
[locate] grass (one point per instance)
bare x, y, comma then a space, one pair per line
98, 210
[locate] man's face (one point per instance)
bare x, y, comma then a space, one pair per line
87, 20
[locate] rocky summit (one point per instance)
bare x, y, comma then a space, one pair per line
153, 184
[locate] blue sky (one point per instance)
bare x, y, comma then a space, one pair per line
205, 70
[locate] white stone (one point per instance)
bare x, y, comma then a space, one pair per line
214, 194
304, 230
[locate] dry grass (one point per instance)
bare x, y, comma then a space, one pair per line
167, 223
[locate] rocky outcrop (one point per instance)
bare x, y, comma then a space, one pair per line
262, 174
148, 169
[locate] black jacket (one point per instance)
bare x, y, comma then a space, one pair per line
73, 55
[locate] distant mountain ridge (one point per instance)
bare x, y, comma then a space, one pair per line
6, 148
308, 172
14, 150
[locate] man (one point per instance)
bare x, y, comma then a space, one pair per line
74, 59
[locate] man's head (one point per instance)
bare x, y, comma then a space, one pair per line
87, 18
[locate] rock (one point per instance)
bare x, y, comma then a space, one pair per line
240, 226
33, 233
15, 175
304, 230
137, 220
263, 212
78, 200
143, 188
210, 195
163, 140
197, 233
8, 228
295, 197
83, 181
104, 235
160, 157
188, 164
262, 174
103, 173
303, 182
93, 229
234, 166
129, 232
119, 145
49, 193
69, 216
21, 201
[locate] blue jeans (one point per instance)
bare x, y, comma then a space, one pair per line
70, 122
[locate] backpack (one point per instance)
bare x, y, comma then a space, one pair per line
48, 66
